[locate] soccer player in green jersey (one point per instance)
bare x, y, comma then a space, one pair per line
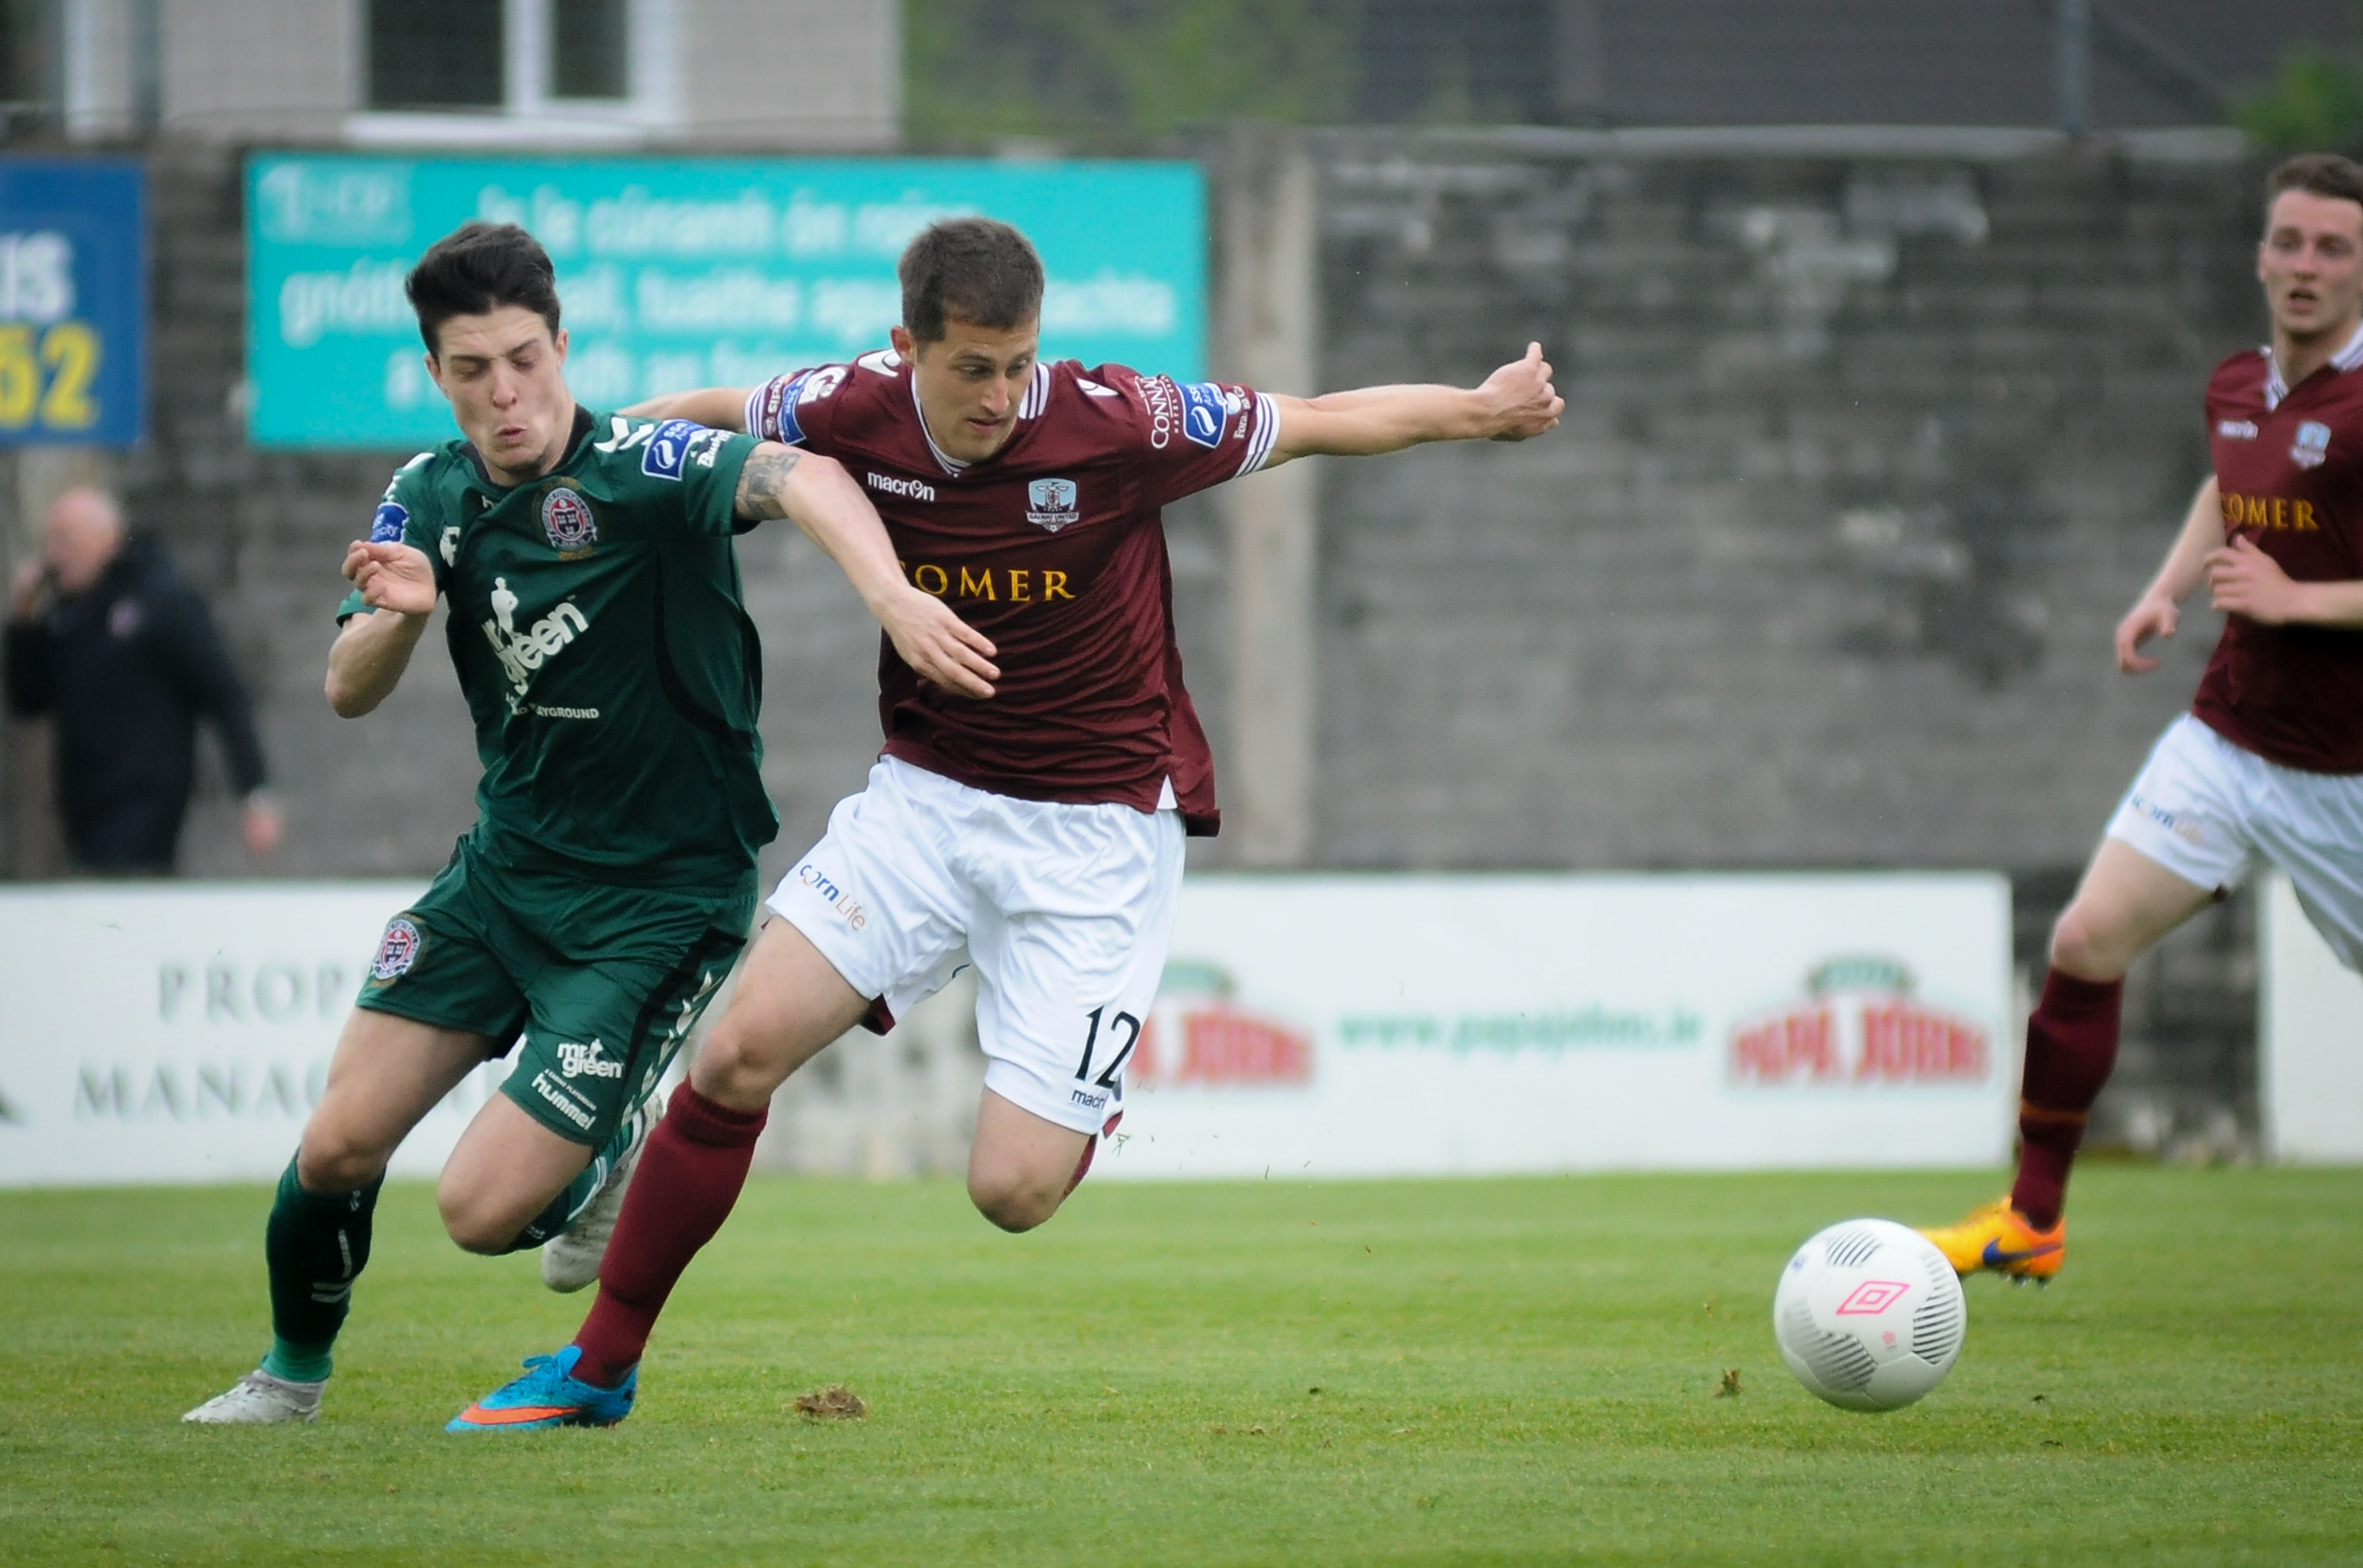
612, 676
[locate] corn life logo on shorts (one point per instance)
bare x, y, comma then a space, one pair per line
2208, 811
604, 985
1065, 910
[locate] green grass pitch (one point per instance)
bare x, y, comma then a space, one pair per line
1401, 1372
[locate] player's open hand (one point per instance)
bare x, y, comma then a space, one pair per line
938, 645
2244, 580
2156, 616
1520, 398
391, 576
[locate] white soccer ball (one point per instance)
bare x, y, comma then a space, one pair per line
1869, 1314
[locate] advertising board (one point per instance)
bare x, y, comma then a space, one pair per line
73, 301
685, 273
1428, 1025
2309, 1037
161, 1033
1321, 1026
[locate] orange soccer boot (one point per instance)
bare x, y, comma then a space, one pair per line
1997, 1238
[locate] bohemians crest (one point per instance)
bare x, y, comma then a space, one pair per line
395, 950
566, 519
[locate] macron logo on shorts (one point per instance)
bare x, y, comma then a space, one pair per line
842, 904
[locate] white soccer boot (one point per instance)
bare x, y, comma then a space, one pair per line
259, 1399
570, 1260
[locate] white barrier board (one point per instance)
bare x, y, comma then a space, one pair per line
1325, 1026
2309, 1037
162, 1032
1408, 1024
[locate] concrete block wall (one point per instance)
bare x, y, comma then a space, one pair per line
1862, 461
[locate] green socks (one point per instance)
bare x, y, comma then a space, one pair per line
315, 1244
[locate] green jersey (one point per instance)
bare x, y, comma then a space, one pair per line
597, 626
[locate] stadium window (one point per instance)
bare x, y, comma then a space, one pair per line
588, 57
436, 54
24, 54
571, 60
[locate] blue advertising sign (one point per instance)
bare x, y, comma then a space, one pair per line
677, 274
73, 301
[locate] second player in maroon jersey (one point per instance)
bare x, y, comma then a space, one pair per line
2267, 766
2289, 478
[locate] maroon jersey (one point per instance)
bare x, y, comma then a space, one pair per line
2289, 461
1054, 547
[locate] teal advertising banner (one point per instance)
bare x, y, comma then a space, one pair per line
675, 274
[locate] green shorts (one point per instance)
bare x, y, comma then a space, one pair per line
604, 982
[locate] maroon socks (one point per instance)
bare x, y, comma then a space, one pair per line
689, 1178
2071, 1043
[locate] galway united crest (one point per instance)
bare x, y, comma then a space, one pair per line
566, 519
1050, 504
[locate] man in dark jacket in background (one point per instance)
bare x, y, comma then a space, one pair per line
106, 636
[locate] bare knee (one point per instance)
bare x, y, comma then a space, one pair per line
2088, 945
1013, 1202
475, 1221
739, 1067
329, 1161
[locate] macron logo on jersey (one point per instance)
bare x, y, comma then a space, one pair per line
908, 489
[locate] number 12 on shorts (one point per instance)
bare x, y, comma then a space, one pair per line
1124, 1024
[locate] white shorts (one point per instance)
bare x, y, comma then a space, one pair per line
1065, 910
2208, 810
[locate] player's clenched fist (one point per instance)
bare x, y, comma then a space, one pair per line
391, 576
1525, 403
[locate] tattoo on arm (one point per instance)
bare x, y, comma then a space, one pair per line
763, 482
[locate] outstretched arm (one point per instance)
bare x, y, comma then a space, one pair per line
715, 408
1516, 403
816, 495
366, 660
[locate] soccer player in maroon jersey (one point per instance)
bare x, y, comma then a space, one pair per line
2269, 763
1038, 833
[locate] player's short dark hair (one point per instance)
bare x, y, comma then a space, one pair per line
477, 269
977, 269
2318, 174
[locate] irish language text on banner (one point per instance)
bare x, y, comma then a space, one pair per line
73, 301
1429, 1024
680, 273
